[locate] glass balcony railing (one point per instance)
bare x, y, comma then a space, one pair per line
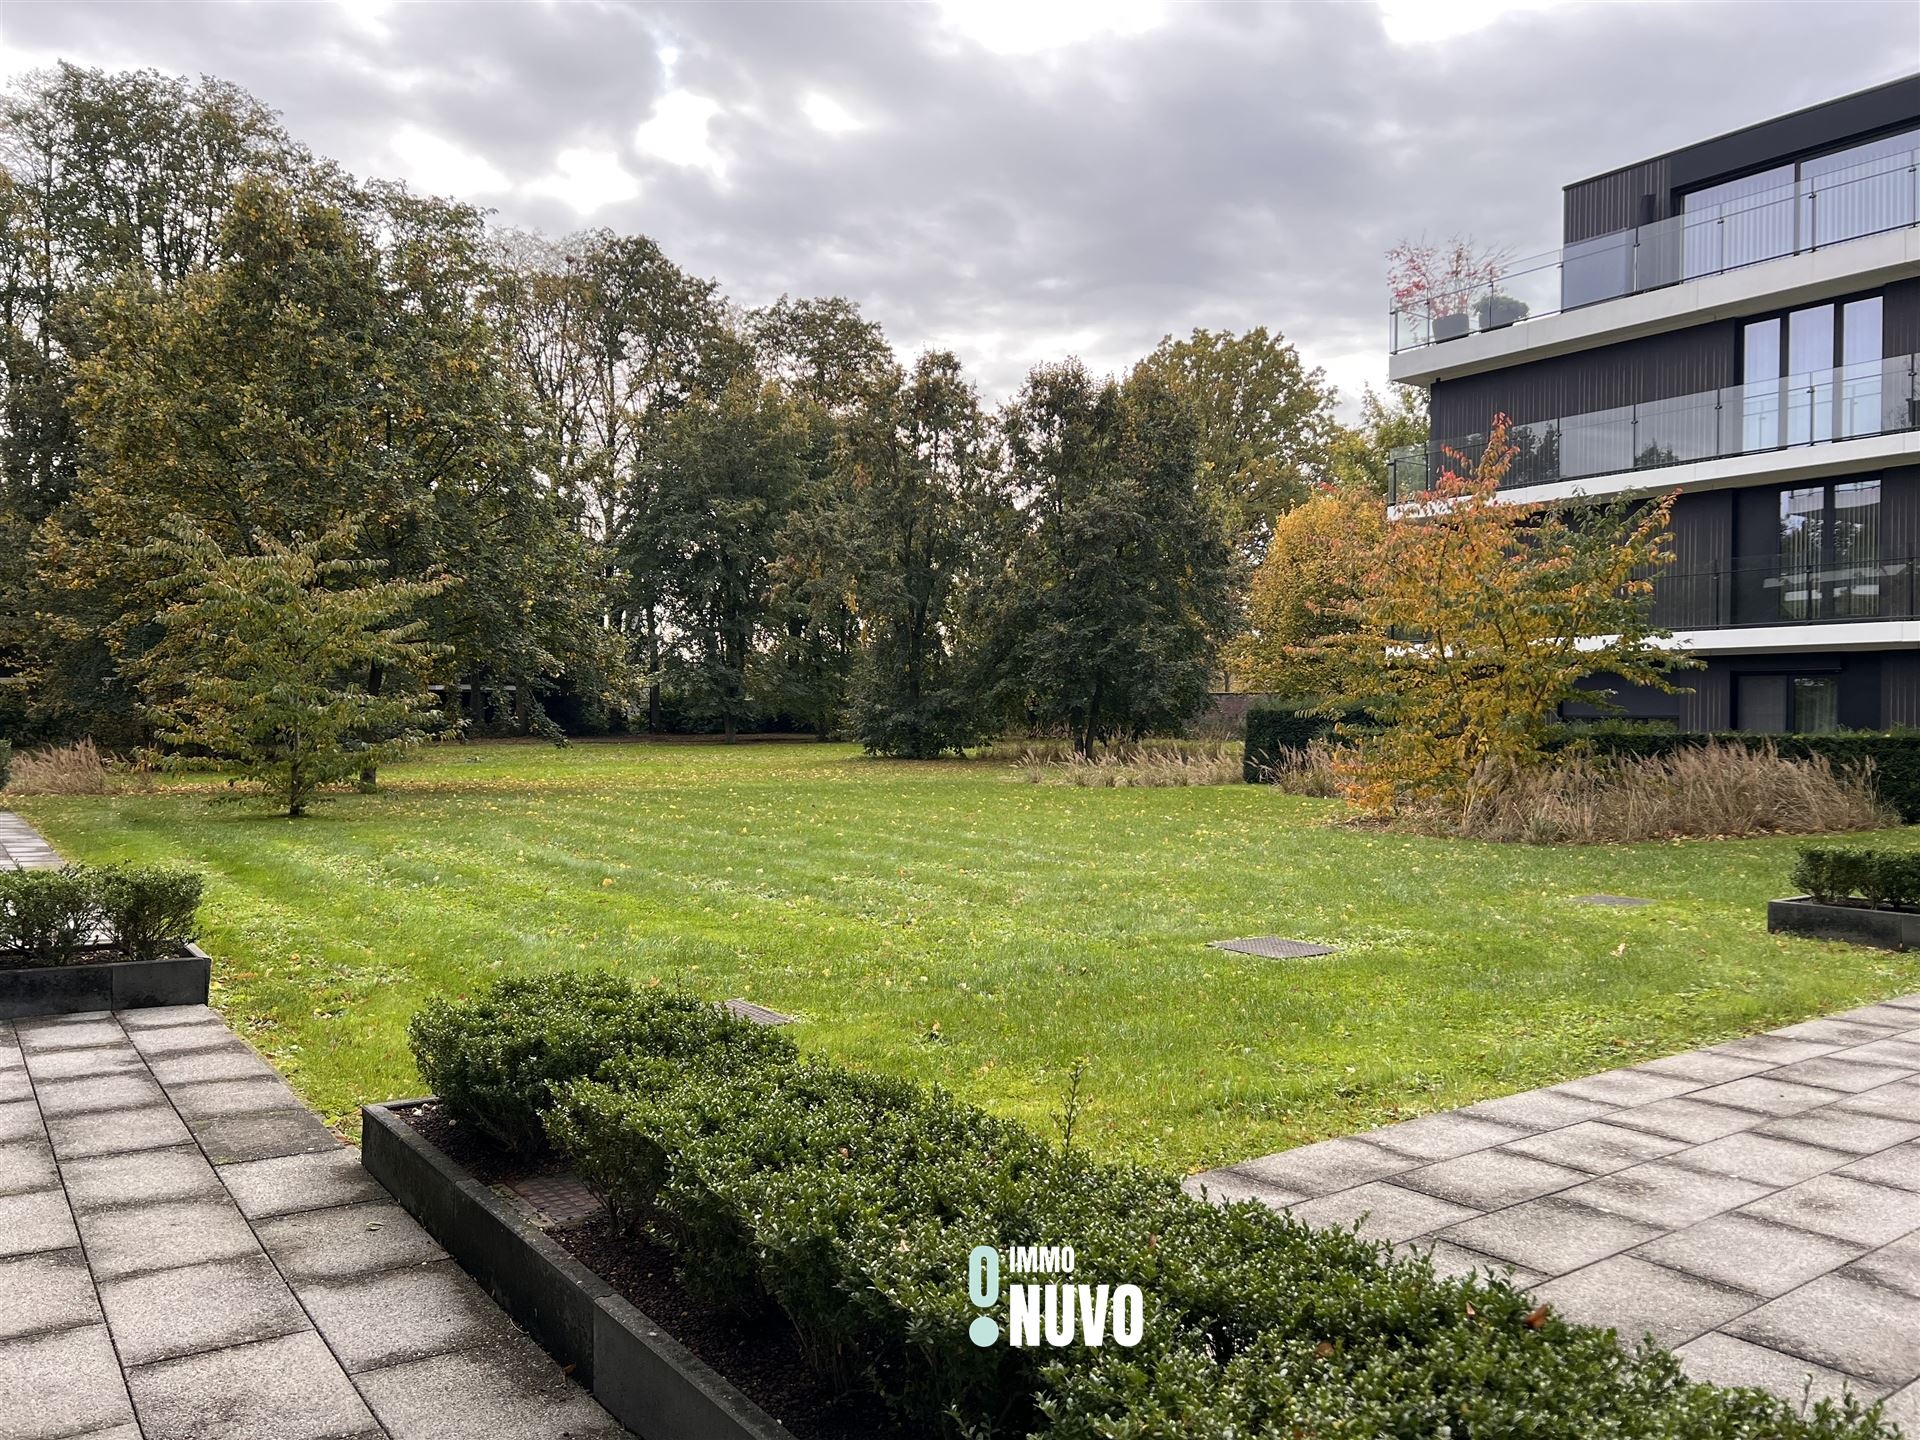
1769, 593
1845, 402
1814, 212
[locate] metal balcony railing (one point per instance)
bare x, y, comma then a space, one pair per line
1770, 593
1813, 213
1843, 402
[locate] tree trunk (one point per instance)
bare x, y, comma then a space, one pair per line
370, 772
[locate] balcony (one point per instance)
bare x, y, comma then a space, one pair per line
1846, 402
1772, 594
1813, 213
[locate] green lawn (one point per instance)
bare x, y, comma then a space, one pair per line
952, 923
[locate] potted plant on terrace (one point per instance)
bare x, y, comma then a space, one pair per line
1444, 280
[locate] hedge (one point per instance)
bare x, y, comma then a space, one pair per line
1273, 730
851, 1202
53, 917
1880, 877
6, 762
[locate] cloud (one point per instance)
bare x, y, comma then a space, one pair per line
1018, 180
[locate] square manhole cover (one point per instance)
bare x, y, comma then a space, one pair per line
561, 1199
1272, 947
1626, 901
759, 1014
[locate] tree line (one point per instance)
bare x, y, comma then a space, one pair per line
566, 483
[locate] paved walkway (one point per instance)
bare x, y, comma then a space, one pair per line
1754, 1205
186, 1253
22, 847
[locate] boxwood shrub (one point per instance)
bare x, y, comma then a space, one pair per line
1880, 877
496, 1058
55, 917
851, 1202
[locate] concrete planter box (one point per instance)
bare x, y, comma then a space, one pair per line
645, 1379
104, 985
1857, 924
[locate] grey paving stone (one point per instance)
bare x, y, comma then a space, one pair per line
1384, 1210
1634, 1298
1748, 1253
1764, 1159
1768, 1095
1845, 1209
1771, 1048
1723, 1360
98, 1060
18, 1085
231, 1139
141, 1177
163, 1017
1223, 1187
286, 1183
1686, 1118
36, 1220
288, 1388
1834, 1032
118, 1090
1538, 1110
1840, 1071
345, 1241
1664, 1194
1842, 1323
1899, 1052
165, 1313
1895, 1017
1897, 1265
1596, 1147
1898, 1101
19, 1120
211, 1099
1490, 1179
372, 1321
1842, 1130
1903, 1409
49, 1291
115, 1132
179, 1039
1326, 1166
77, 1034
1442, 1136
504, 1392
1707, 1067
27, 1165
1549, 1235
1632, 1086
1457, 1262
229, 1062
60, 1384
1898, 1167
155, 1237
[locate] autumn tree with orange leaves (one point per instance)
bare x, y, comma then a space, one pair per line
1474, 619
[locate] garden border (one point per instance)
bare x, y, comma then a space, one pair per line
645, 1379
30, 990
1856, 924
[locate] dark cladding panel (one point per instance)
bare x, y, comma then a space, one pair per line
1900, 514
1616, 201
1901, 311
1900, 688
1657, 367
1709, 703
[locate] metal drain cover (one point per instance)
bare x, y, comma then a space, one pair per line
561, 1199
1272, 947
1621, 900
759, 1014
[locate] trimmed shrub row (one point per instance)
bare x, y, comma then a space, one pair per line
51, 917
851, 1202
1893, 754
1880, 877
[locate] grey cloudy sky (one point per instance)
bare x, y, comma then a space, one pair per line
1015, 181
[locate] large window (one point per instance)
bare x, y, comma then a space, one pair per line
1829, 552
1787, 704
1812, 374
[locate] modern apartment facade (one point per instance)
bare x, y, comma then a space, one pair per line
1737, 321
